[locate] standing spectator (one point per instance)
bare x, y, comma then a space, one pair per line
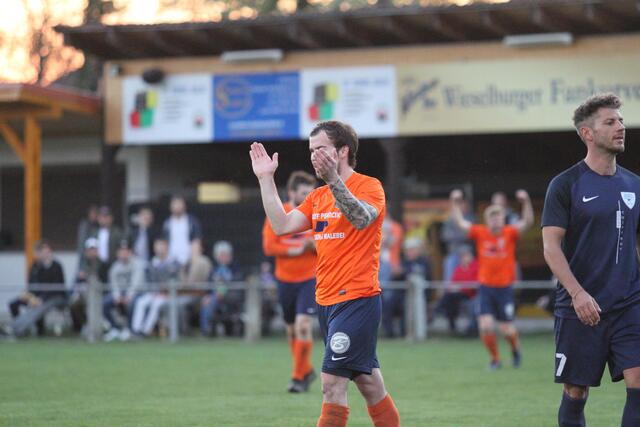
455, 240
180, 229
126, 278
147, 307
86, 228
415, 263
196, 272
45, 273
221, 305
458, 290
109, 237
90, 264
392, 299
142, 235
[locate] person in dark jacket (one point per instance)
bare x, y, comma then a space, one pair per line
44, 293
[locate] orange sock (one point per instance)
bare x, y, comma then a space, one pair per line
333, 415
514, 341
301, 359
385, 413
305, 355
489, 340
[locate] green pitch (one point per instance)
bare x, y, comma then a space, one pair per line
443, 382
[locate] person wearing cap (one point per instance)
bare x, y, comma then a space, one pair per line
496, 250
90, 262
126, 278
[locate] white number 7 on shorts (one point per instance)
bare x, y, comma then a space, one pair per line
563, 360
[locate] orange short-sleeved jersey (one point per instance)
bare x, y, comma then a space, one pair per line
496, 255
348, 258
288, 269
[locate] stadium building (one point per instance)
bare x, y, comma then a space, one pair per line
478, 96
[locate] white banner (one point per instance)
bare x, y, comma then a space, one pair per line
364, 97
178, 110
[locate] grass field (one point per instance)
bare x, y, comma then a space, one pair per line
443, 382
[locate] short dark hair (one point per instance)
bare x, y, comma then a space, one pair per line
299, 178
340, 134
41, 244
591, 105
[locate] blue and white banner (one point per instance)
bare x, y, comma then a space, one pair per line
262, 106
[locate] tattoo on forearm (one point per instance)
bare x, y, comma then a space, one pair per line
359, 213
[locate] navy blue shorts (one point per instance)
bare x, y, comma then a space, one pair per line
582, 351
297, 298
497, 302
350, 333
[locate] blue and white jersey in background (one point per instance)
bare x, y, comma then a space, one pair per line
600, 215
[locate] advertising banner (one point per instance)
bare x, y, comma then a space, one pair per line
364, 97
260, 106
175, 111
510, 95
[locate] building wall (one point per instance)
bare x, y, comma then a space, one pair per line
425, 54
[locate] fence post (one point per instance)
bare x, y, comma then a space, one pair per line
417, 308
253, 310
94, 306
174, 327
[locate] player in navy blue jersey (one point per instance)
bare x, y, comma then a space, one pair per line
589, 228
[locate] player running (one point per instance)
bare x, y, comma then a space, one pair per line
296, 275
346, 218
589, 228
496, 250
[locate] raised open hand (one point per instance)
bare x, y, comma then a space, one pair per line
263, 165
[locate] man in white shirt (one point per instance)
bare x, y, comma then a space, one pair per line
180, 229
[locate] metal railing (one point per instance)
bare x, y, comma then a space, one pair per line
416, 301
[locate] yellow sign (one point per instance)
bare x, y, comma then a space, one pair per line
510, 95
218, 192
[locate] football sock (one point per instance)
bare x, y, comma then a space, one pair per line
571, 413
333, 415
514, 341
489, 340
631, 414
305, 355
385, 413
301, 359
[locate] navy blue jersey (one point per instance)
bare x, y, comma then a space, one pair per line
600, 216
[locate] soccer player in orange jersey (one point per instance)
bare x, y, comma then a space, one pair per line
296, 275
496, 250
346, 219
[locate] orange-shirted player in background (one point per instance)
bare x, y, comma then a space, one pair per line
346, 219
496, 250
296, 275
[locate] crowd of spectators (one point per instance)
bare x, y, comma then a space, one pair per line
137, 266
135, 269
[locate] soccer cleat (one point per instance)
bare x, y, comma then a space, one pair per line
296, 386
495, 365
517, 359
308, 379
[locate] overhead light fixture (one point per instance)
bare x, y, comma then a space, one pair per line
534, 40
235, 56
